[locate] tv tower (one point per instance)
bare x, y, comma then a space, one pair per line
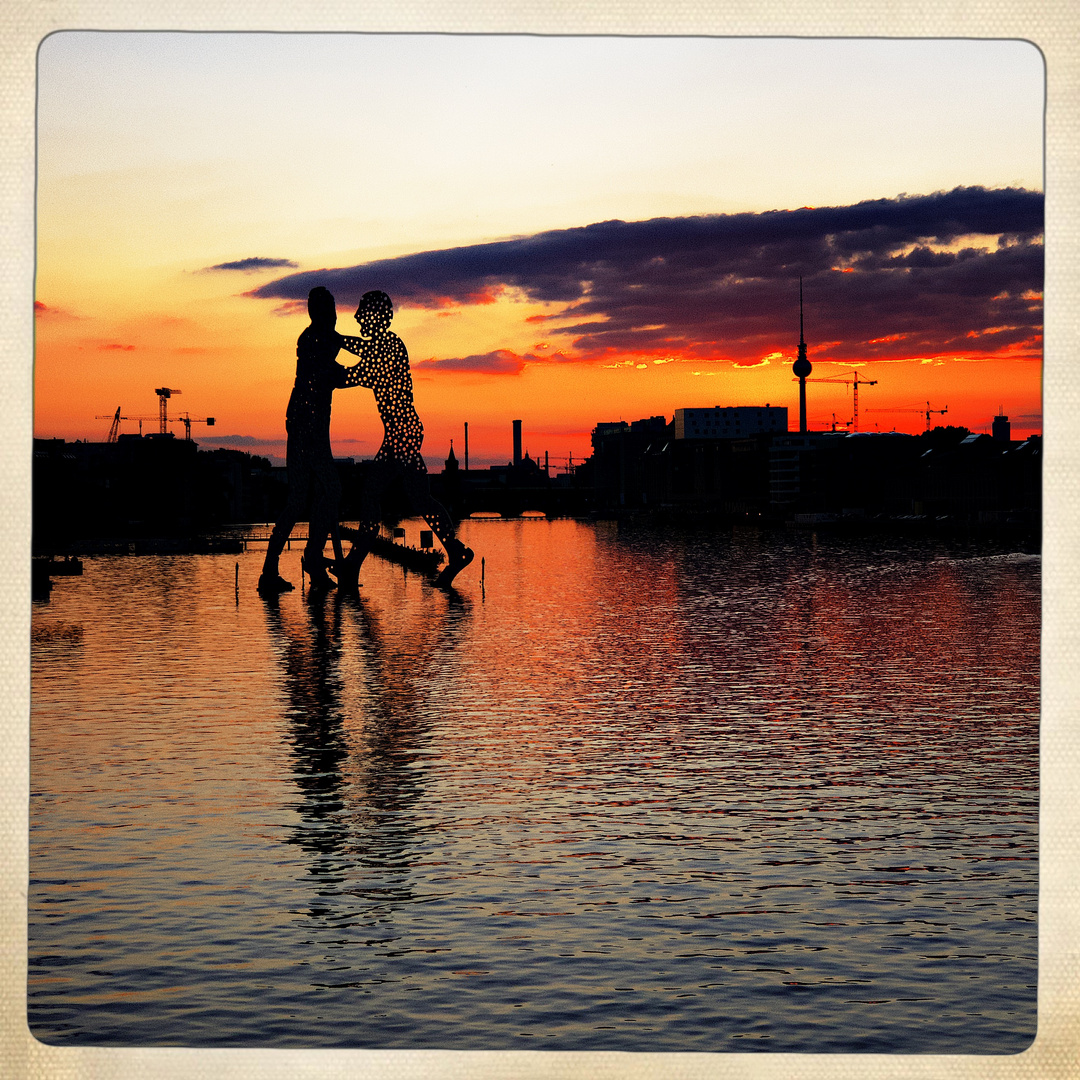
802, 367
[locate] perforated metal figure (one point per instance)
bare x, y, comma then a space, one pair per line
309, 459
384, 368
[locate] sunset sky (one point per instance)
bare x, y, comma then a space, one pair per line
573, 230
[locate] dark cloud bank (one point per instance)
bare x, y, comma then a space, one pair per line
877, 285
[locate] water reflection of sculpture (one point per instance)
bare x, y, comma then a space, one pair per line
310, 652
357, 721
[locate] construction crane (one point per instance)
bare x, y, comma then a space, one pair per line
114, 428
187, 421
843, 423
854, 384
163, 418
164, 393
926, 412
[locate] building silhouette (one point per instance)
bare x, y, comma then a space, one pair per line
730, 422
775, 475
138, 488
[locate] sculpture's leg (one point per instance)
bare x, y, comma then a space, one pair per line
458, 556
335, 537
348, 568
323, 519
270, 581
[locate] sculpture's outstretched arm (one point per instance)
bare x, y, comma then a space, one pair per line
354, 344
363, 373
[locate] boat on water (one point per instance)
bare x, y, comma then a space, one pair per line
425, 560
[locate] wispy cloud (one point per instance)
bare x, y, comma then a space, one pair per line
46, 311
499, 362
885, 279
272, 449
291, 307
239, 440
251, 264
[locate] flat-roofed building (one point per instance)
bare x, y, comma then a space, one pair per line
730, 422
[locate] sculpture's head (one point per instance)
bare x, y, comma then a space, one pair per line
321, 306
375, 312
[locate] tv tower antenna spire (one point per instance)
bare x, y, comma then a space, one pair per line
802, 367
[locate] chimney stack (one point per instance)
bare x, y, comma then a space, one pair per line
517, 443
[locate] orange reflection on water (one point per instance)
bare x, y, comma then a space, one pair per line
641, 764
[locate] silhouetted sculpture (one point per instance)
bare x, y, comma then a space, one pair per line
384, 368
309, 459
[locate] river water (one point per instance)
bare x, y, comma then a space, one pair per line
648, 790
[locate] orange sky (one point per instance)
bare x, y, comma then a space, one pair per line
186, 151
234, 361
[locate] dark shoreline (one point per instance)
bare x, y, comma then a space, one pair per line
1011, 531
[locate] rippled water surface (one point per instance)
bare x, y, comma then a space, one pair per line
655, 790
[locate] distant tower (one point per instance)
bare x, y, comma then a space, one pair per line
451, 460
801, 367
1002, 429
517, 443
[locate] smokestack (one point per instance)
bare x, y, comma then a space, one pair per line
466, 445
517, 443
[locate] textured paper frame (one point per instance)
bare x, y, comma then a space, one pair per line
1052, 25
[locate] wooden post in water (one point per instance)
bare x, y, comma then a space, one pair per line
237, 583
483, 595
